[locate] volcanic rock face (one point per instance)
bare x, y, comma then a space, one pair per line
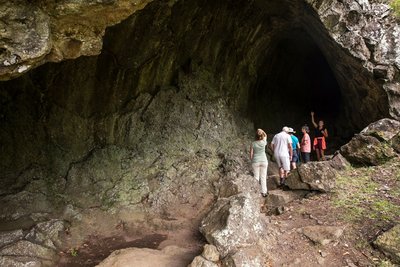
37, 32
367, 31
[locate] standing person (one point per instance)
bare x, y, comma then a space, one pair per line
305, 146
321, 133
282, 147
259, 160
295, 148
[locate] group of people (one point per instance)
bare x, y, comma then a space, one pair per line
287, 150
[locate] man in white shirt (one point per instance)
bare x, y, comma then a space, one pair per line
282, 146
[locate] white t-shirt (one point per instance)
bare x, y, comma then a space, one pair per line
280, 142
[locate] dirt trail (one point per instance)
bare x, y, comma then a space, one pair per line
288, 246
94, 238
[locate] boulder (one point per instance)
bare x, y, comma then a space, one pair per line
10, 261
233, 223
199, 261
210, 253
25, 249
273, 182
367, 150
389, 243
237, 183
246, 257
319, 176
395, 143
338, 162
320, 234
384, 129
47, 233
10, 237
277, 198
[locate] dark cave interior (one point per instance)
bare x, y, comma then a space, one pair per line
297, 80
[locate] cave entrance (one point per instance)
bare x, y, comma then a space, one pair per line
296, 79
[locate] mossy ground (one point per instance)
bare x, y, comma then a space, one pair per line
395, 4
370, 196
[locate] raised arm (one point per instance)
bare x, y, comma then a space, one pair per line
313, 120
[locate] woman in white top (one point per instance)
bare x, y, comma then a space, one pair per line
259, 160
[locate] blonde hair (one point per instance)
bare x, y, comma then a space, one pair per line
259, 135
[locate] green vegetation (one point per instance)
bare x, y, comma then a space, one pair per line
395, 4
362, 194
73, 251
385, 263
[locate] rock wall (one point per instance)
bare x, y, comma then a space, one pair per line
369, 33
41, 31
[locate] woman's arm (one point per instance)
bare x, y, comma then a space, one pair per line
251, 152
313, 120
325, 133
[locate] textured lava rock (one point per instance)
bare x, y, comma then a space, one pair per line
384, 129
277, 198
25, 36
199, 261
37, 32
251, 256
233, 223
11, 261
24, 248
338, 162
8, 237
210, 253
322, 235
369, 32
47, 233
375, 144
319, 176
395, 143
367, 150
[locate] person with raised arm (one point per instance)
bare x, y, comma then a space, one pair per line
321, 133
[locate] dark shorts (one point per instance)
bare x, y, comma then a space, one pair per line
295, 157
305, 157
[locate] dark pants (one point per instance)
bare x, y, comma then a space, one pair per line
305, 156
